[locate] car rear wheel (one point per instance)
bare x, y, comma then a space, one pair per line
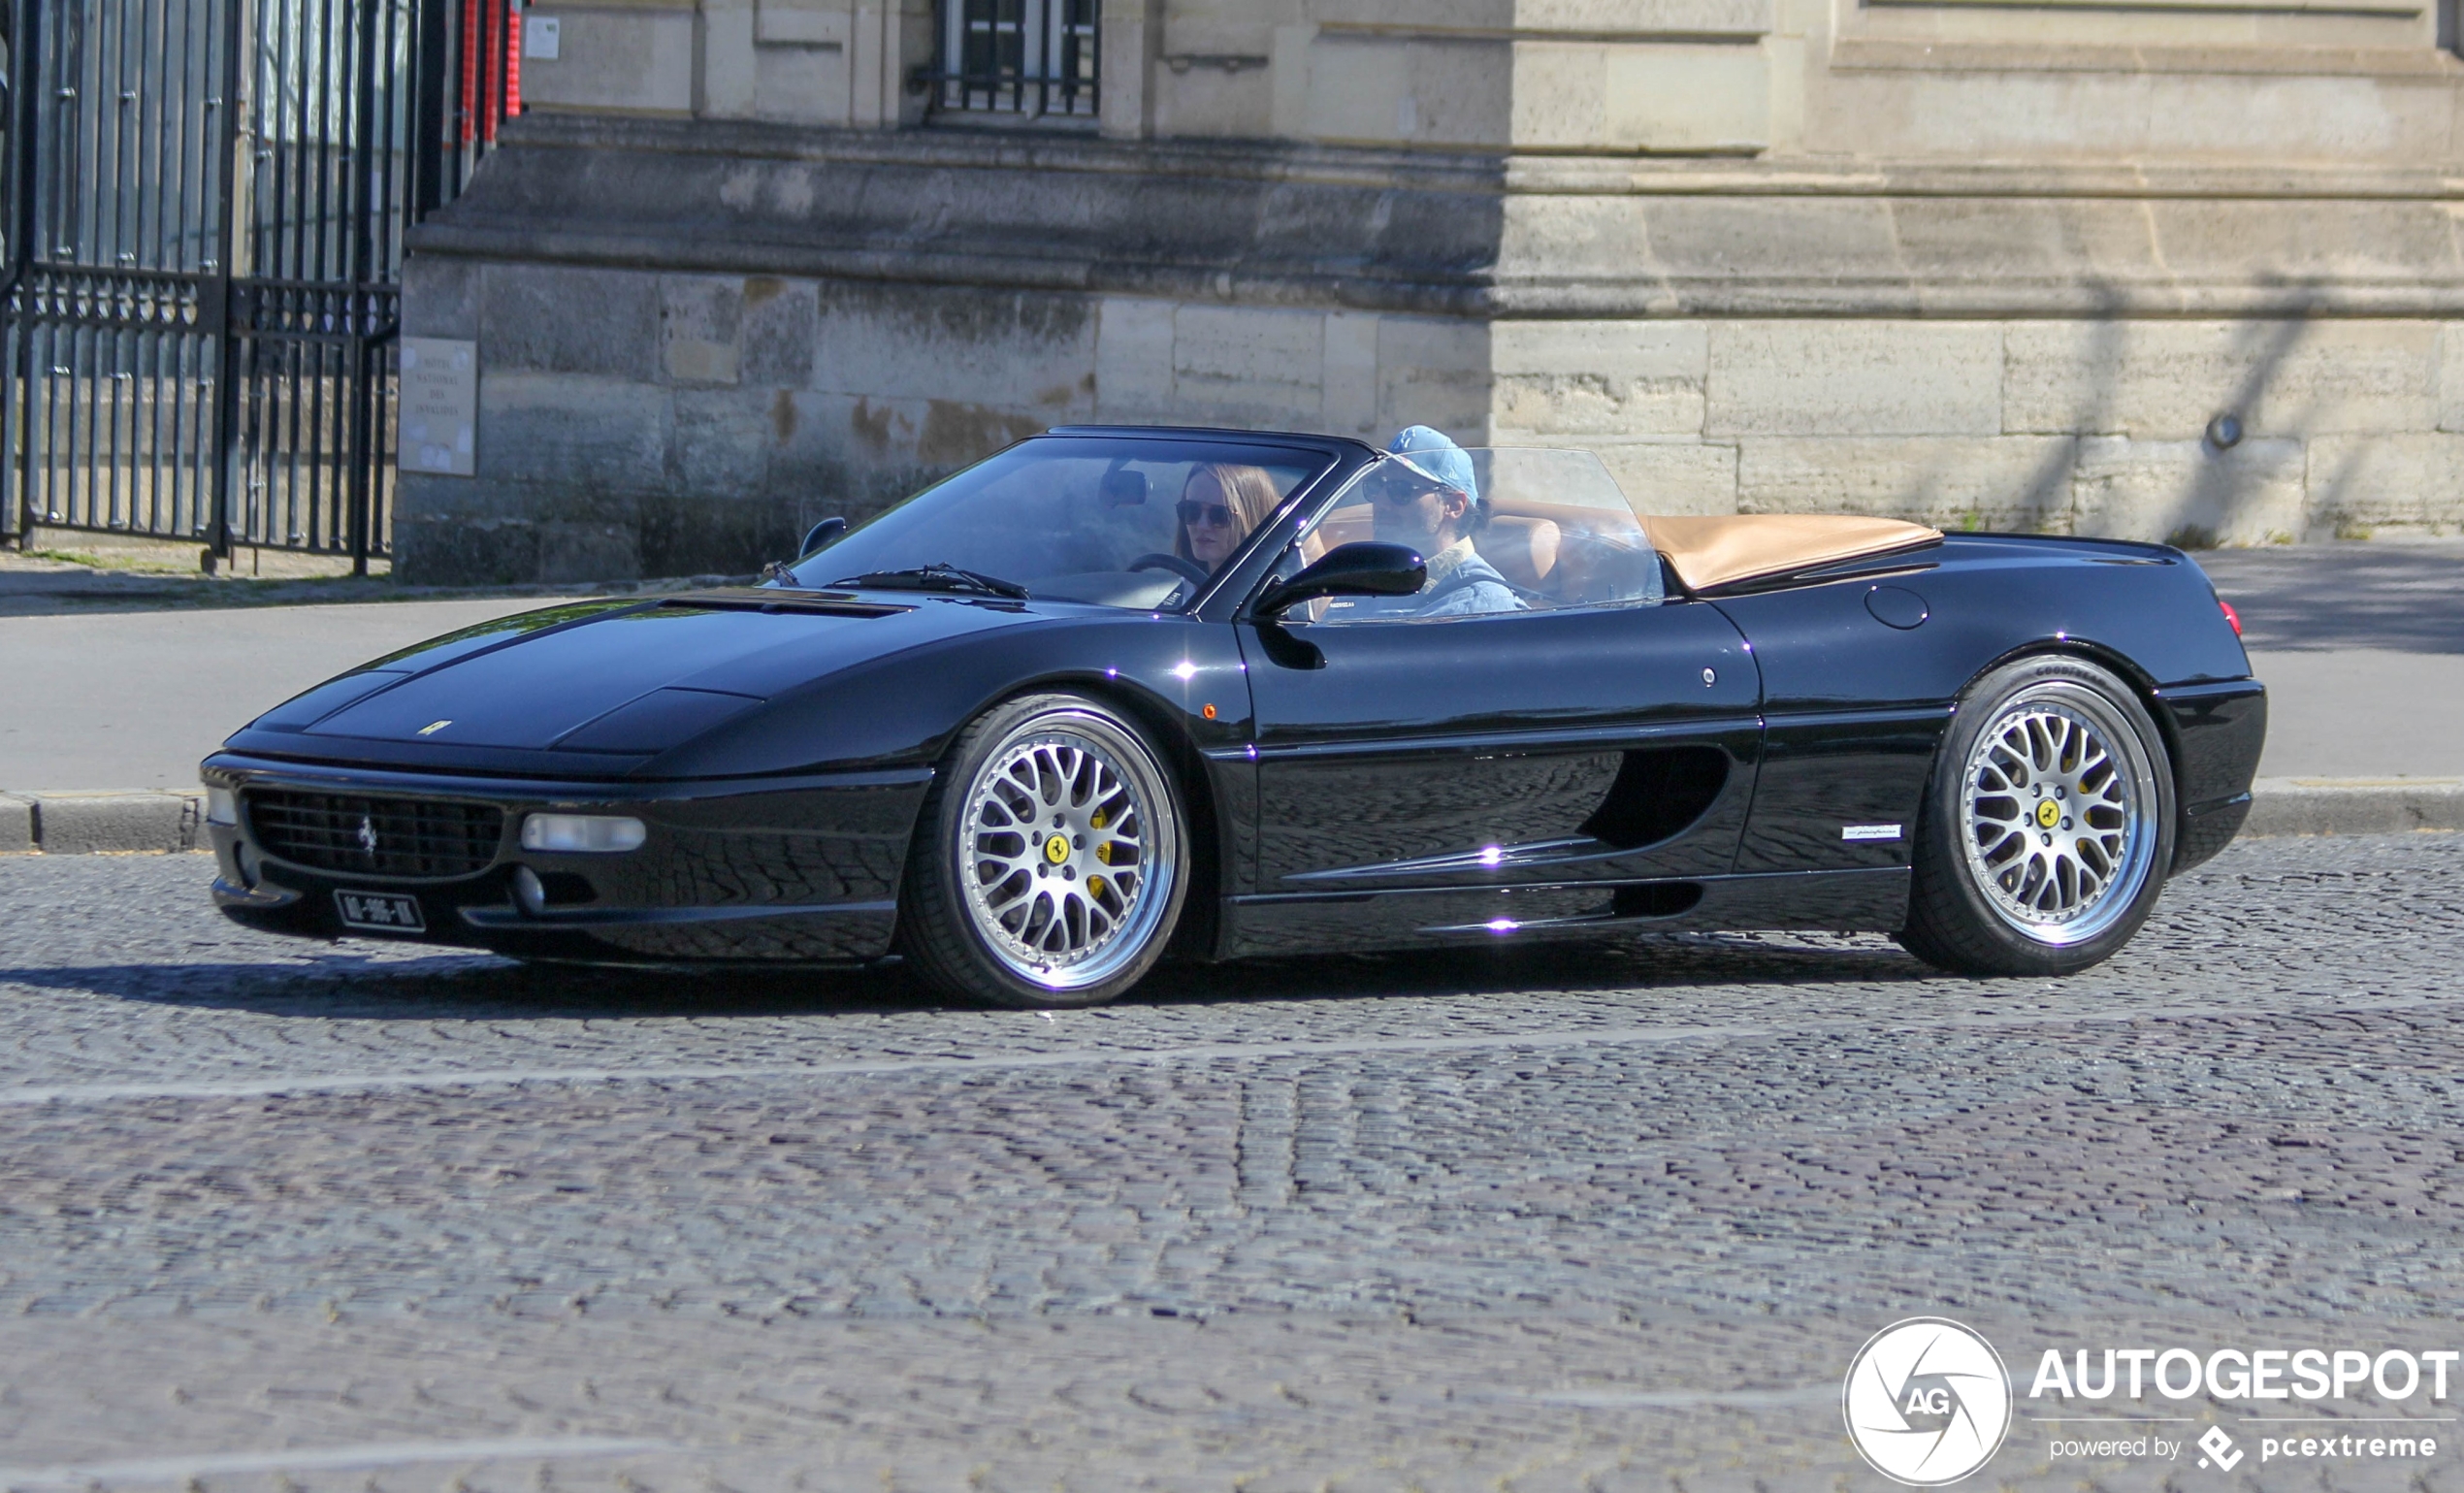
1051, 860
2046, 831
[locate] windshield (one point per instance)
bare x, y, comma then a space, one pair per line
1136, 523
1504, 529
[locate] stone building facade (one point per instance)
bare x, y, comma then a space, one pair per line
2187, 269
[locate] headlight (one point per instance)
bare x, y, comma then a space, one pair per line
222, 806
582, 833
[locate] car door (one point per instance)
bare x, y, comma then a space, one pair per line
1497, 769
1859, 677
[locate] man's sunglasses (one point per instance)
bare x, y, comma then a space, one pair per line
1214, 515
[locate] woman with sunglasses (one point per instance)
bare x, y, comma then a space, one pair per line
1220, 506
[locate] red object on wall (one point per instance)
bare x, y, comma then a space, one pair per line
513, 63
501, 92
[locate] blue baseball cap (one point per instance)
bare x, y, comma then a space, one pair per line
1434, 455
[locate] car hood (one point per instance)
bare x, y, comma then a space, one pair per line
623, 678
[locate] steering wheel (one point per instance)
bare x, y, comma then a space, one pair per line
1189, 570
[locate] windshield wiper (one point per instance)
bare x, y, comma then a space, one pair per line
937, 578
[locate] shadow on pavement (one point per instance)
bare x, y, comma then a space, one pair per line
483, 987
2399, 598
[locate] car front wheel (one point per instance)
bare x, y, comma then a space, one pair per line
2047, 827
1051, 860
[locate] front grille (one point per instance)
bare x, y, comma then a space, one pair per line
409, 836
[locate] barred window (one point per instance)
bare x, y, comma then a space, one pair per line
1020, 59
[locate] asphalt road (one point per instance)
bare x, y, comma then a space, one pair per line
2362, 648
132, 700
304, 1216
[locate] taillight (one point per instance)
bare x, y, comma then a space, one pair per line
2230, 615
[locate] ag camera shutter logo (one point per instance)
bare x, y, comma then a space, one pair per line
1928, 1402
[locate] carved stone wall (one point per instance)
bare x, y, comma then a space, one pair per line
1984, 265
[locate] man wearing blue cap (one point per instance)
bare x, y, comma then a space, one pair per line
1430, 498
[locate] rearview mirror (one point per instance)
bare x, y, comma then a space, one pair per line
1123, 489
1364, 568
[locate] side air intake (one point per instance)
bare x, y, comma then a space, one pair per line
1659, 793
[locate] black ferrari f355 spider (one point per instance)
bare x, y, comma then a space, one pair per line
1116, 694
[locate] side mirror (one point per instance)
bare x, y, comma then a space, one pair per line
822, 536
1364, 568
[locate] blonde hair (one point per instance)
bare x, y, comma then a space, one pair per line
1248, 492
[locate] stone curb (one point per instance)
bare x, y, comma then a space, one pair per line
101, 823
86, 823
2353, 805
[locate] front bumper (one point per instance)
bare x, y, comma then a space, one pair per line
802, 869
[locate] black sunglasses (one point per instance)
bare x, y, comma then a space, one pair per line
1214, 515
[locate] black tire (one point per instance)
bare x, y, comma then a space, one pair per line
2027, 860
992, 913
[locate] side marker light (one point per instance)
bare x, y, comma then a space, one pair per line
2230, 615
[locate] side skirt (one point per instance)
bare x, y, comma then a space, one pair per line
1866, 900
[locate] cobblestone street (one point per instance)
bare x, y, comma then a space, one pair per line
276, 1216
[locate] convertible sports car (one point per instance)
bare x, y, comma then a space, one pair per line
1114, 694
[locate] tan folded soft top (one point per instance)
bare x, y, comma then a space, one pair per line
1719, 551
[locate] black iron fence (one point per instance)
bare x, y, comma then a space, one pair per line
205, 207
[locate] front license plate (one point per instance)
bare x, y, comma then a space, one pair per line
380, 912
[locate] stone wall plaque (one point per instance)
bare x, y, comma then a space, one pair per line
439, 406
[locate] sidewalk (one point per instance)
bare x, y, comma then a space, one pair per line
116, 685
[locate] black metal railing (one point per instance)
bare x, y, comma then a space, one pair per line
1020, 59
205, 207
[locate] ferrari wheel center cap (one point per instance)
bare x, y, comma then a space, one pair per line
1057, 849
2049, 813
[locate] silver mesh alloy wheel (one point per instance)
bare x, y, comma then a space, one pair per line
2057, 792
1068, 851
